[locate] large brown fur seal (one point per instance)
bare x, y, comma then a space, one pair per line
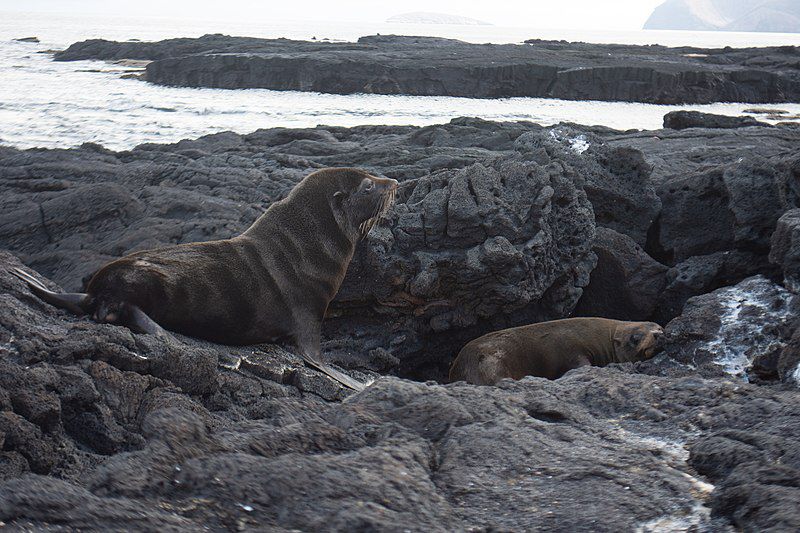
550, 349
273, 282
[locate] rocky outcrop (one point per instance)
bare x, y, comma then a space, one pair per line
467, 251
98, 436
782, 16
737, 204
680, 120
739, 330
785, 250
486, 243
626, 284
701, 274
456, 223
103, 429
434, 66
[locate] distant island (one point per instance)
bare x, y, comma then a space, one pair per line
781, 16
424, 17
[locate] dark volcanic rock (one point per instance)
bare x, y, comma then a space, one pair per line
468, 251
66, 212
752, 454
103, 429
626, 283
701, 274
600, 449
738, 330
473, 243
617, 180
785, 251
436, 66
737, 205
789, 360
680, 120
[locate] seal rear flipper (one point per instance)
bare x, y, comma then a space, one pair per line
75, 302
341, 377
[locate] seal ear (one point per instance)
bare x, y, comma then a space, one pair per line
338, 197
635, 339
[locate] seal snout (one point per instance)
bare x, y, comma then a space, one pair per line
658, 338
386, 184
656, 341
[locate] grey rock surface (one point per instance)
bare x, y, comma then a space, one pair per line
785, 248
739, 330
389, 64
626, 283
103, 429
680, 120
602, 448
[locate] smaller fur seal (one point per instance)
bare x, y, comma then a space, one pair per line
271, 283
550, 349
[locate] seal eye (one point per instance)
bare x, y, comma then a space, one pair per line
369, 185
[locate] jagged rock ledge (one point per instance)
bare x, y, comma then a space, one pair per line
496, 224
436, 66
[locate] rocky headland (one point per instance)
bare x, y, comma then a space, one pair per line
496, 224
781, 16
445, 67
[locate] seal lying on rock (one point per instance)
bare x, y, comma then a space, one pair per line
273, 282
551, 349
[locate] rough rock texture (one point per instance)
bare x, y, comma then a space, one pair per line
626, 284
468, 251
436, 66
430, 267
492, 227
737, 204
701, 274
739, 330
95, 438
785, 251
789, 360
680, 120
102, 429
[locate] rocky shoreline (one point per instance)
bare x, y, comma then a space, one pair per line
445, 67
496, 224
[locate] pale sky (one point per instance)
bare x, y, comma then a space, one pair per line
560, 14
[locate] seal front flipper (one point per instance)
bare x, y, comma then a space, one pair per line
137, 321
75, 302
341, 377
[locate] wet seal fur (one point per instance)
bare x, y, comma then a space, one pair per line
272, 283
551, 349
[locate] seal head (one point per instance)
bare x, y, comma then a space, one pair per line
637, 341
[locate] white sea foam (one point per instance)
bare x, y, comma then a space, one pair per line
740, 339
675, 454
577, 144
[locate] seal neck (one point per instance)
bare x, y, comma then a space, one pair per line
602, 351
308, 226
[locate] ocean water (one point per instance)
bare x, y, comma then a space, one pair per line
53, 104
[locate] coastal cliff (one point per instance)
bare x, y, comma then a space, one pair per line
435, 66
